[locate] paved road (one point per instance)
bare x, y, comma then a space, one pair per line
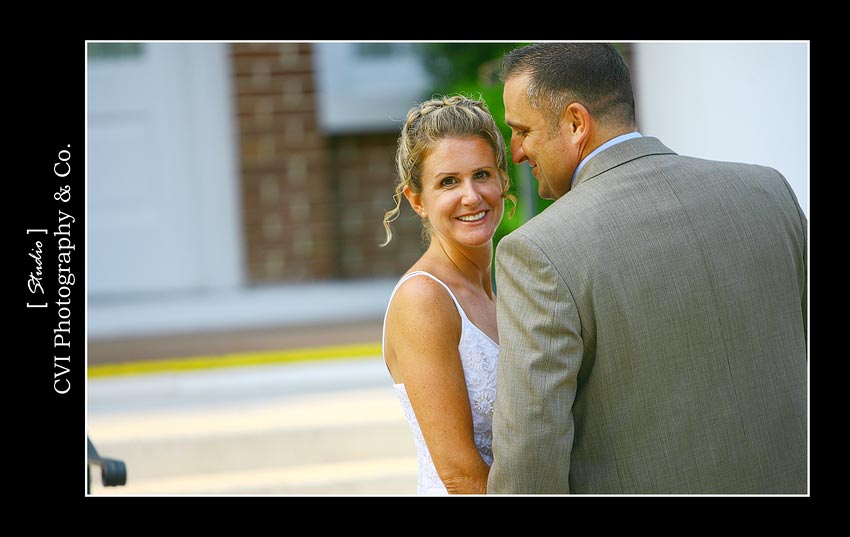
330, 427
116, 350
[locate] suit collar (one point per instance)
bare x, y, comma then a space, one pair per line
620, 154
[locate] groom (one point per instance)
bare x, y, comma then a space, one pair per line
652, 320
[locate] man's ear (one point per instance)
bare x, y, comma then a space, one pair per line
575, 122
415, 201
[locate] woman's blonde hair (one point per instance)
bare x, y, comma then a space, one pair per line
452, 116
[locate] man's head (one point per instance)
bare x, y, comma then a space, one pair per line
562, 100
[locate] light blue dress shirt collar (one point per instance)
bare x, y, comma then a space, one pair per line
601, 148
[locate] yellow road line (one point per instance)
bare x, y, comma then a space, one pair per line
236, 359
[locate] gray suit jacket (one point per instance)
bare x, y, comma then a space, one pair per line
652, 325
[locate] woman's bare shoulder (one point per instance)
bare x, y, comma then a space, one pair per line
423, 296
422, 308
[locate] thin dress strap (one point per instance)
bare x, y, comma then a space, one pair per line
404, 279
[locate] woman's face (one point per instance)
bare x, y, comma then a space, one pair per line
461, 191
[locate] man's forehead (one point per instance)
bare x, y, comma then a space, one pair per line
517, 106
518, 81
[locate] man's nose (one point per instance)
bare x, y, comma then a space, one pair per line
517, 152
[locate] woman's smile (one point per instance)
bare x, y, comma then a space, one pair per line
473, 217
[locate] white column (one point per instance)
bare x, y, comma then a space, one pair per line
734, 101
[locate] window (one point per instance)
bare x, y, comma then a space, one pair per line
382, 50
367, 86
114, 51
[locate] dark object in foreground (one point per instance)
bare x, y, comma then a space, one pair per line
113, 472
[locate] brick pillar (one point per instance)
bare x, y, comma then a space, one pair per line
363, 176
286, 196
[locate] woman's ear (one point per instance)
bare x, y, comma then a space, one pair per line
415, 201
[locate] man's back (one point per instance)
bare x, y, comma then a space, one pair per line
688, 277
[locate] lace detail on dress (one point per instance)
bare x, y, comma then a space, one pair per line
479, 356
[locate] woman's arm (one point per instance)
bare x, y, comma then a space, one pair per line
424, 329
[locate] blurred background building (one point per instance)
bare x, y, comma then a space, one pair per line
225, 167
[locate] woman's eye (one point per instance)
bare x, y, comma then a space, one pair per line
448, 181
483, 174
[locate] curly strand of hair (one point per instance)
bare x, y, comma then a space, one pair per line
392, 214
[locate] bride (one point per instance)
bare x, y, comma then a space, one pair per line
440, 342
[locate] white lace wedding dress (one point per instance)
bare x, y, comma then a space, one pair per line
479, 355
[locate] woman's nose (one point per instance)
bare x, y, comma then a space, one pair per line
471, 196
